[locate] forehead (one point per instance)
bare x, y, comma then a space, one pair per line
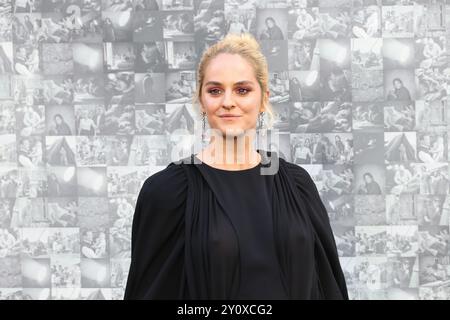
229, 68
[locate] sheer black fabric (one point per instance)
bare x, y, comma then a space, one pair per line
193, 239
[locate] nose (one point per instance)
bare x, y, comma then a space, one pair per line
228, 102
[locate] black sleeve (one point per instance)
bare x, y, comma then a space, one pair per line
157, 240
326, 255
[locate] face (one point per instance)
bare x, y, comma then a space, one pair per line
269, 23
397, 84
223, 94
367, 178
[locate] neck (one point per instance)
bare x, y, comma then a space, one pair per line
231, 152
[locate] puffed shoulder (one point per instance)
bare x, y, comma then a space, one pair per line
307, 189
166, 188
301, 176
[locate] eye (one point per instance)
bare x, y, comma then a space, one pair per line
245, 89
212, 91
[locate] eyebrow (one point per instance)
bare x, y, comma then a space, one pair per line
216, 83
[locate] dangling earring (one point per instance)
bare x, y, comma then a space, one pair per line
260, 126
261, 120
203, 126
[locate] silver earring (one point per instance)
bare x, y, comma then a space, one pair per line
260, 126
203, 126
261, 119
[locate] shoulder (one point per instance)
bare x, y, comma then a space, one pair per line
302, 179
166, 187
300, 175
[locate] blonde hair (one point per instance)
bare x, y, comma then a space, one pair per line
247, 47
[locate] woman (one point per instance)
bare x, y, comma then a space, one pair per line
370, 186
202, 228
272, 31
60, 128
109, 34
399, 92
86, 125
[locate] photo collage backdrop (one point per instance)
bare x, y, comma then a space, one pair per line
92, 91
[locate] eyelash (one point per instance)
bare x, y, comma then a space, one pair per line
247, 90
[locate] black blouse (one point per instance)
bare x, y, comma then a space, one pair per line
246, 193
205, 233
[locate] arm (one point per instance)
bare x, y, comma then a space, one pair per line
157, 240
325, 248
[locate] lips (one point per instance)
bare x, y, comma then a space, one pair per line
229, 116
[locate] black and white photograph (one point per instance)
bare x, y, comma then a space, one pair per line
304, 23
119, 87
92, 181
400, 147
30, 120
399, 116
432, 210
434, 240
84, 65
398, 53
60, 120
94, 243
368, 147
401, 209
279, 86
431, 116
367, 54
90, 151
367, 117
27, 60
366, 22
370, 179
92, 212
431, 83
117, 150
96, 96
370, 210
157, 56
176, 25
398, 21
399, 84
61, 181
151, 119
89, 88
433, 271
119, 56
57, 58
60, 151
62, 212
10, 245
210, 24
402, 241
58, 90
371, 240
367, 86
36, 273
117, 26
123, 181
30, 152
95, 273
179, 86
431, 147
66, 271
148, 25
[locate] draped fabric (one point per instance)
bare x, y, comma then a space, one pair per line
179, 220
